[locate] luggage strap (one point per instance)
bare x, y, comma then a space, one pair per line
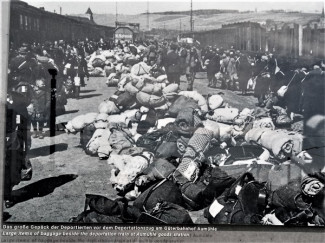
150, 192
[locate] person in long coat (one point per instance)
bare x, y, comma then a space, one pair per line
172, 65
244, 73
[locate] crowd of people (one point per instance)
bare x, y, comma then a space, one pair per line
297, 91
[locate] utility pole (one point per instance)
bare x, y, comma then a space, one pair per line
191, 20
60, 10
148, 16
116, 14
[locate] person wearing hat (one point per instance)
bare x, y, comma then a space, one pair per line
191, 62
172, 65
244, 73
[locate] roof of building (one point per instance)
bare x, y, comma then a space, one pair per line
89, 11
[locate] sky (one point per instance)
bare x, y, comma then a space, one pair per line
136, 7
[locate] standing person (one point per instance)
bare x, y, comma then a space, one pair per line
82, 69
172, 65
191, 63
41, 104
232, 71
244, 73
212, 68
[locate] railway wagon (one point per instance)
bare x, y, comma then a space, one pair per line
30, 24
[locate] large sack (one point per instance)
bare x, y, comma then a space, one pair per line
109, 69
86, 134
154, 89
121, 137
97, 72
224, 115
148, 100
201, 101
107, 54
162, 78
94, 143
215, 101
108, 107
104, 148
79, 122
98, 61
125, 100
140, 69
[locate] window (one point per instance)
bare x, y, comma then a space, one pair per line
30, 23
26, 23
21, 22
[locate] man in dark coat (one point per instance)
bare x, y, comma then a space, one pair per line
172, 65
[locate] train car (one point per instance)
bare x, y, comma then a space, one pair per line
30, 24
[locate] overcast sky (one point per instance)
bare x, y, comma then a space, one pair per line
136, 7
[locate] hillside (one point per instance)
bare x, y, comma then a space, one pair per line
207, 21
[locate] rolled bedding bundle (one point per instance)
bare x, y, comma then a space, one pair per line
155, 89
281, 142
265, 122
224, 115
127, 168
161, 78
201, 101
81, 121
148, 100
189, 168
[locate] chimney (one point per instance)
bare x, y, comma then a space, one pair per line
60, 10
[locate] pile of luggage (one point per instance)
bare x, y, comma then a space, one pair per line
174, 151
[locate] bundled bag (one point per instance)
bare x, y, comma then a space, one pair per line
168, 147
201, 101
182, 102
97, 72
243, 203
125, 100
157, 170
283, 90
120, 137
163, 190
192, 195
140, 69
165, 213
79, 122
187, 121
102, 210
148, 100
86, 134
108, 107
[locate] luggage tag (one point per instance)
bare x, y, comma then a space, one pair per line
17, 119
23, 89
143, 117
238, 189
215, 208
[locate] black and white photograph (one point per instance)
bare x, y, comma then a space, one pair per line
152, 113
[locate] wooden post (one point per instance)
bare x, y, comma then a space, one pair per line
300, 40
